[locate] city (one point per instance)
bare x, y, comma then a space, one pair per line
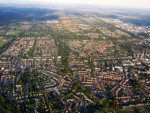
73, 61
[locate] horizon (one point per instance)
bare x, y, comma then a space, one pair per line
134, 4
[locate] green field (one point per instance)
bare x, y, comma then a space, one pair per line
2, 42
14, 33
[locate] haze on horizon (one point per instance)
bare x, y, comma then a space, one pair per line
141, 4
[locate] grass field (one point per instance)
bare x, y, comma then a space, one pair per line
14, 33
2, 42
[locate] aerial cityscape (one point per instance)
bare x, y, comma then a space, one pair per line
74, 58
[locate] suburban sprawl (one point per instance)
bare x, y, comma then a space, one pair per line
73, 61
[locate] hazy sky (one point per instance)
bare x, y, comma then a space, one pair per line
121, 3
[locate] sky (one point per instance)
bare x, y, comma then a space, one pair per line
144, 4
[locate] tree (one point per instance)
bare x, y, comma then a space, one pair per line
110, 103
